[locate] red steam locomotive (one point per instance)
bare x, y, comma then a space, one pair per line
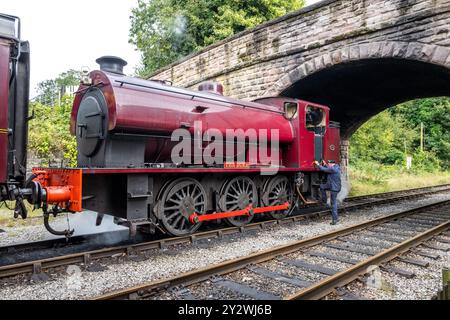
159, 157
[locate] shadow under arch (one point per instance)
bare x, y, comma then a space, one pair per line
357, 90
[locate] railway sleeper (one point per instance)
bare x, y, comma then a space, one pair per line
280, 277
401, 272
333, 257
433, 247
183, 293
383, 237
421, 222
350, 248
426, 254
442, 240
309, 266
244, 289
410, 224
363, 243
415, 262
344, 294
389, 232
38, 275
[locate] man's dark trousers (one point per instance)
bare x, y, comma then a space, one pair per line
333, 198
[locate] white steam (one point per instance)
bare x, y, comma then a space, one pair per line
346, 187
345, 190
84, 223
179, 25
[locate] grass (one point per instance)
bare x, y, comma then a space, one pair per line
367, 182
7, 216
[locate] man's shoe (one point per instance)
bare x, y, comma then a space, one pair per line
334, 222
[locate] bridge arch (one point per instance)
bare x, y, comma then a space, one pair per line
361, 80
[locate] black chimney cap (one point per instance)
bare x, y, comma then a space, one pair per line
111, 64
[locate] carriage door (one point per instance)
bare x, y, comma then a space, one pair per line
316, 122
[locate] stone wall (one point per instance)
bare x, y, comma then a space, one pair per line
268, 59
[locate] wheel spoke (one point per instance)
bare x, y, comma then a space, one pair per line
183, 223
178, 202
175, 224
239, 186
179, 196
193, 191
234, 189
172, 208
173, 215
199, 204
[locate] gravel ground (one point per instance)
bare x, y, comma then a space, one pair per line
424, 286
78, 284
35, 231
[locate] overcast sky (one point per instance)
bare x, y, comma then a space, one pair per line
66, 34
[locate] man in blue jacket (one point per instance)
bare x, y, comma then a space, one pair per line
333, 185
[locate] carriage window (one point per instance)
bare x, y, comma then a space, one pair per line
315, 119
290, 110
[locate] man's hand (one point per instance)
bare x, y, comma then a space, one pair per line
316, 163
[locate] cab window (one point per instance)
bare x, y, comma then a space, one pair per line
315, 119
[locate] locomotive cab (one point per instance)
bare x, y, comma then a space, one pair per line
316, 137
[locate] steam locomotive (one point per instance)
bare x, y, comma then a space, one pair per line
145, 152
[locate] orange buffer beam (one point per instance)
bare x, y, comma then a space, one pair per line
249, 211
63, 187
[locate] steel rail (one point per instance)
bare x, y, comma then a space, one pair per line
202, 274
37, 266
327, 285
382, 194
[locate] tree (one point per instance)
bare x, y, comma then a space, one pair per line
49, 136
166, 30
387, 138
382, 139
50, 92
434, 113
47, 92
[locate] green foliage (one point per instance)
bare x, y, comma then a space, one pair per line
49, 136
434, 113
166, 30
47, 92
382, 139
378, 150
51, 91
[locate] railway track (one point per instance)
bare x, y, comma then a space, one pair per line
84, 256
291, 272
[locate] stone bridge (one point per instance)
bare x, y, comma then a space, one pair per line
357, 56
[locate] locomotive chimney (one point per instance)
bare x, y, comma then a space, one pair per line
111, 64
